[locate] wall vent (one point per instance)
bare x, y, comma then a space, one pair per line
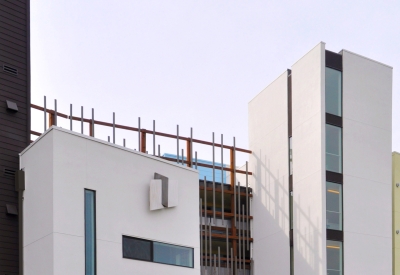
10, 70
9, 172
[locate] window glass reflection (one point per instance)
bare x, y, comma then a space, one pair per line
334, 258
334, 206
138, 249
172, 254
90, 233
333, 91
333, 148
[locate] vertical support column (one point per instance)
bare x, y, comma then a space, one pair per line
91, 125
189, 153
45, 114
139, 134
143, 142
201, 234
233, 207
51, 119
55, 112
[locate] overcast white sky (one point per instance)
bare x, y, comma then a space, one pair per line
193, 63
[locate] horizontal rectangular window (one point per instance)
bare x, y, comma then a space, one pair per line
145, 250
172, 254
333, 148
137, 249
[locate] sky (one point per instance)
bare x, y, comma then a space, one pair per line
192, 63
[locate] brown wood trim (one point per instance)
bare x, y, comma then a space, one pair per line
334, 177
226, 215
223, 236
36, 133
141, 130
224, 259
188, 154
333, 120
143, 142
334, 235
210, 166
225, 191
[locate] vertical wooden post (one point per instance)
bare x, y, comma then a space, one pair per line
51, 119
189, 153
91, 126
233, 225
143, 142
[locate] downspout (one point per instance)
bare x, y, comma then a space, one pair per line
20, 187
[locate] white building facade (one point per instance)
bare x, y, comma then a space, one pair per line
87, 210
321, 141
319, 202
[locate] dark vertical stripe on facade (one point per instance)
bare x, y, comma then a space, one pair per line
289, 91
335, 61
15, 48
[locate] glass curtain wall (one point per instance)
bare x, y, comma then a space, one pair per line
333, 157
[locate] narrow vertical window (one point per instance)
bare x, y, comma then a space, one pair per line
90, 232
334, 206
334, 258
333, 91
291, 261
333, 148
291, 209
290, 156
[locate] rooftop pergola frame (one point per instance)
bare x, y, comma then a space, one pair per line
214, 215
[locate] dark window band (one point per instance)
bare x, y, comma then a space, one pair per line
150, 251
334, 177
333, 60
334, 120
334, 235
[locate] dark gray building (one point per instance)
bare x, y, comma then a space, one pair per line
14, 121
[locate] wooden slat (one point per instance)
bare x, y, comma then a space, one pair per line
225, 191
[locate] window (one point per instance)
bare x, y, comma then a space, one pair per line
334, 206
291, 209
145, 250
90, 232
333, 91
334, 258
137, 249
333, 148
291, 261
172, 254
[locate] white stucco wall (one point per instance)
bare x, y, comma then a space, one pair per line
308, 138
367, 131
268, 136
60, 165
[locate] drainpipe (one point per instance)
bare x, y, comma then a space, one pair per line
20, 187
